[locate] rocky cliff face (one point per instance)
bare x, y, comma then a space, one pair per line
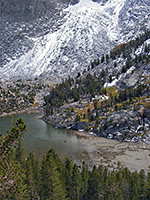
27, 10
54, 39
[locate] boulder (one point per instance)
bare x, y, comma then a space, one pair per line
147, 114
80, 125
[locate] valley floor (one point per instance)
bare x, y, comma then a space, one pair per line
134, 156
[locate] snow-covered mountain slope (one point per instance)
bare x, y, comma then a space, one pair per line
84, 31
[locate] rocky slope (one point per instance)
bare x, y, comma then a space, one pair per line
54, 38
23, 11
125, 120
111, 98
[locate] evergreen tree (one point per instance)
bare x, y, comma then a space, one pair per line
85, 178
113, 191
52, 187
115, 64
107, 58
68, 176
142, 191
134, 186
20, 154
95, 186
33, 176
12, 176
148, 187
125, 183
110, 78
95, 103
76, 183
102, 59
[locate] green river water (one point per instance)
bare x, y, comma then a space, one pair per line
40, 137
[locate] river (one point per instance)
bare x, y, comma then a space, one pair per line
40, 137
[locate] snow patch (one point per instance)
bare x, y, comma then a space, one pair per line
113, 83
130, 70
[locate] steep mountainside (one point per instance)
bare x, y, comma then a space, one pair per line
20, 10
55, 43
111, 98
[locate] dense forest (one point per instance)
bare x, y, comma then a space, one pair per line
52, 179
91, 86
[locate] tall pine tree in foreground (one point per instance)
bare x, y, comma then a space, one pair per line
20, 154
76, 183
12, 176
68, 176
33, 176
52, 187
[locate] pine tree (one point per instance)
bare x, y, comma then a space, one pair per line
142, 191
68, 176
110, 78
107, 58
148, 186
76, 183
95, 186
12, 176
52, 187
85, 178
125, 183
102, 59
113, 188
20, 154
33, 176
134, 186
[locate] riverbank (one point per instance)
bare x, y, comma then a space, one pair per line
26, 110
134, 156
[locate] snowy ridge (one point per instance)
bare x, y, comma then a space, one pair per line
89, 30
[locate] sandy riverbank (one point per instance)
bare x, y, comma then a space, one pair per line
134, 156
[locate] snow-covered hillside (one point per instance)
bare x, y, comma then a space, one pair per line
85, 31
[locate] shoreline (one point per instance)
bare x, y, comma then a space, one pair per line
134, 156
106, 152
26, 110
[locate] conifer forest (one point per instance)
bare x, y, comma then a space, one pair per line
51, 179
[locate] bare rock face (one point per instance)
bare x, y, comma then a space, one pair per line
73, 2
147, 114
56, 38
27, 10
102, 2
